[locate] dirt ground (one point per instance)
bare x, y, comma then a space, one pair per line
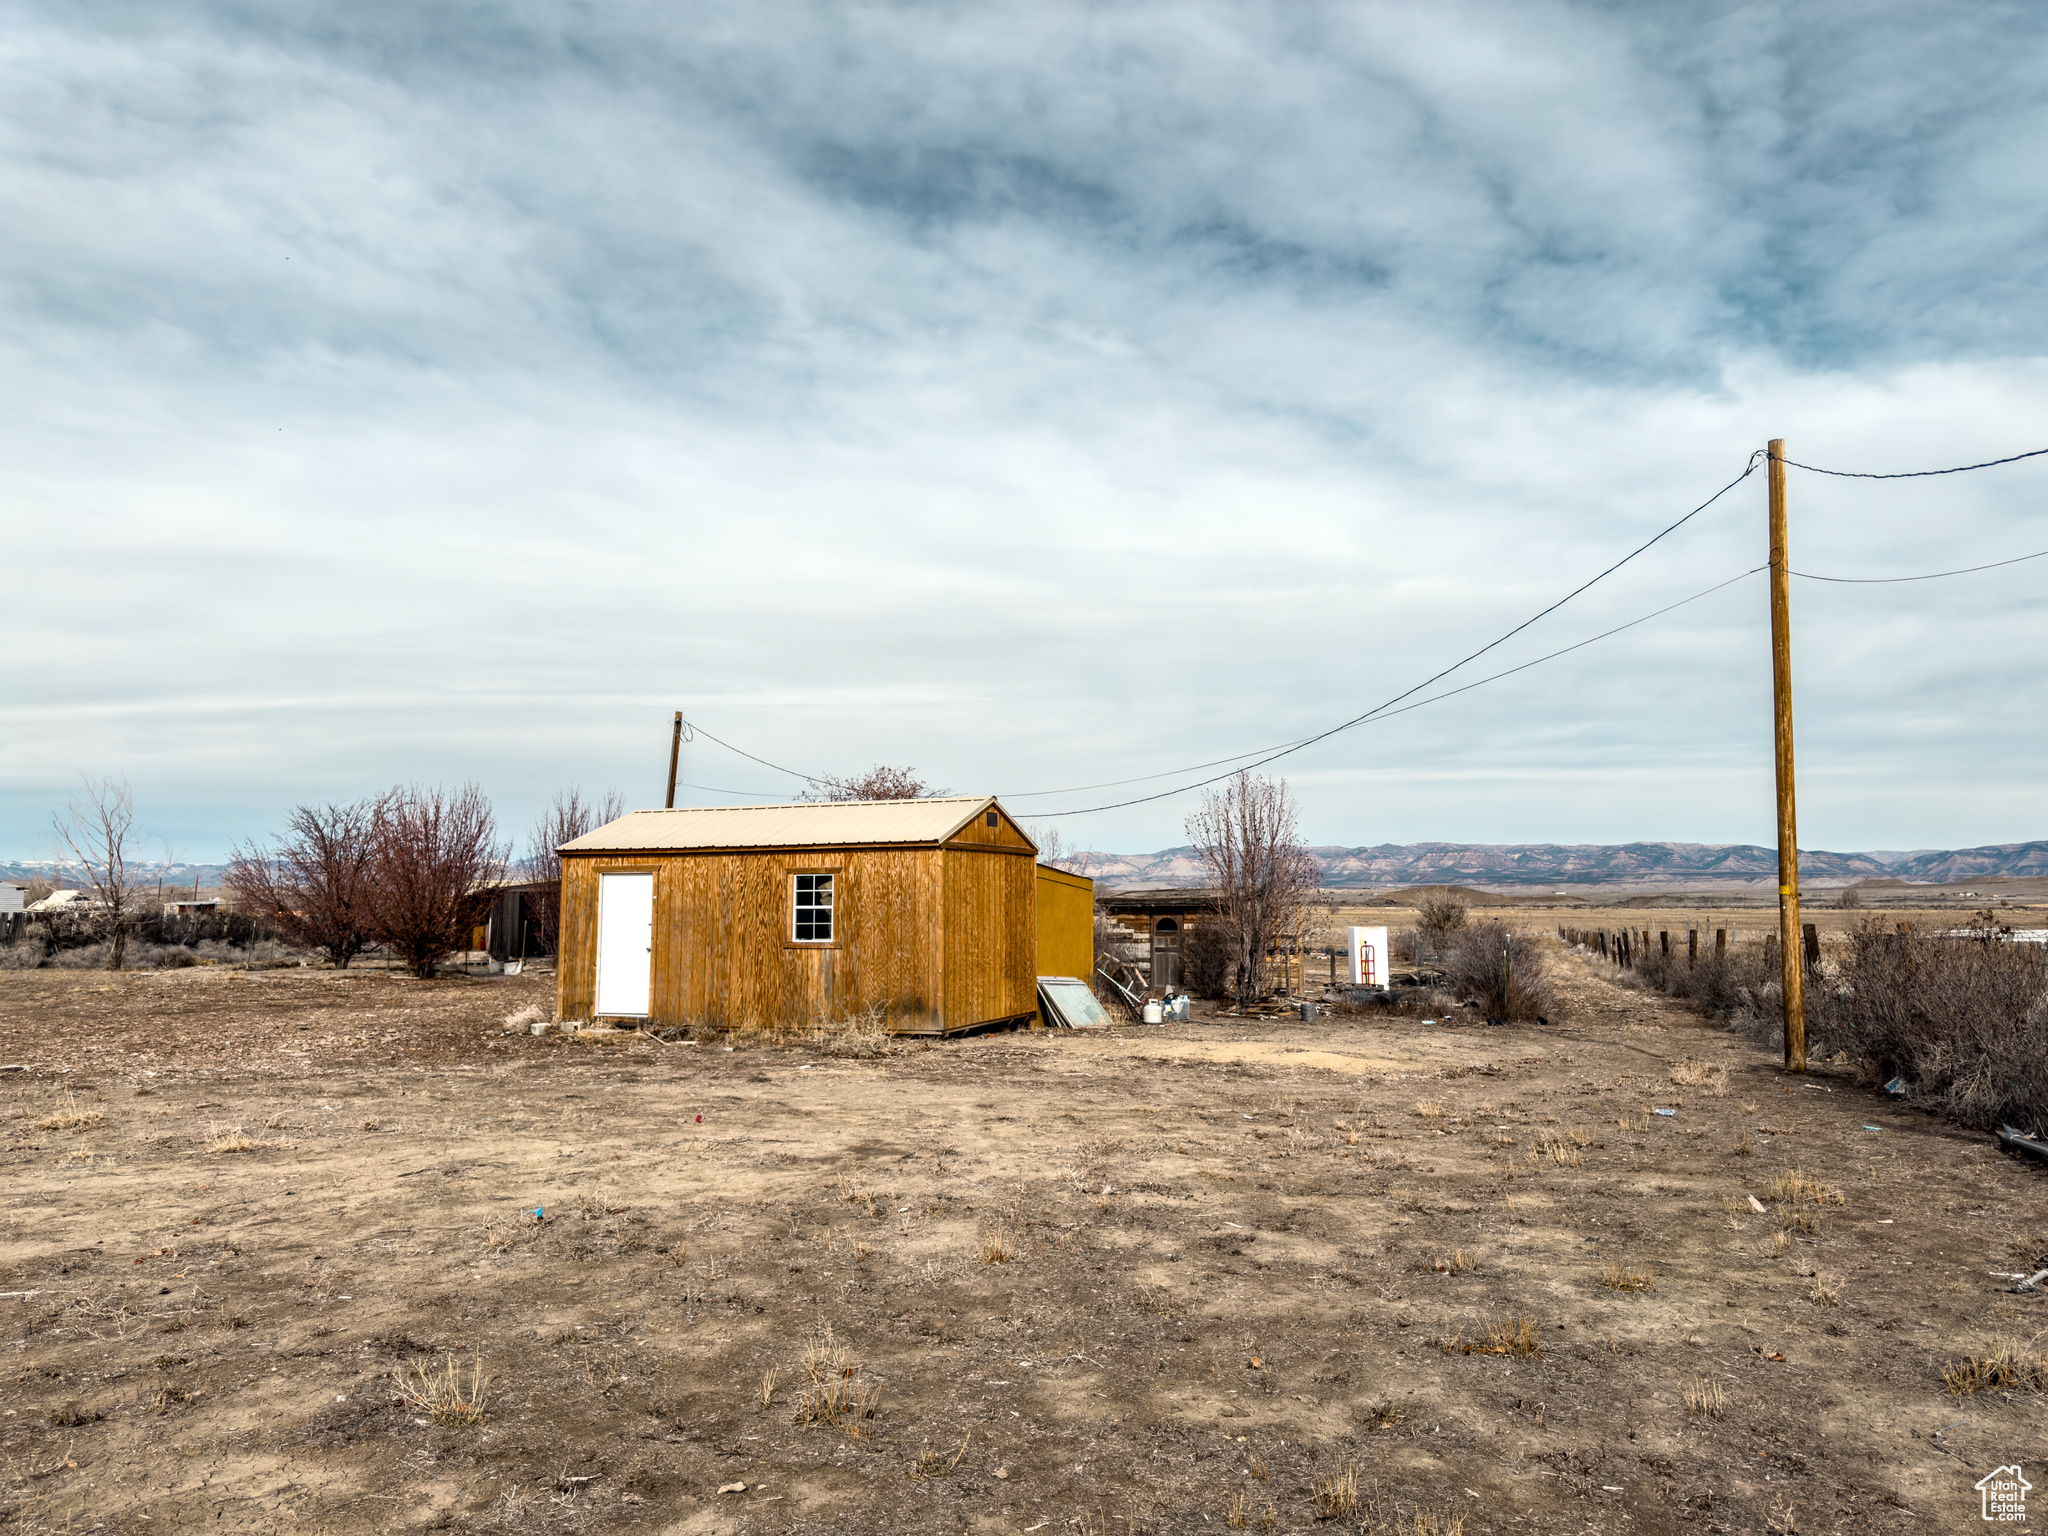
1142, 1281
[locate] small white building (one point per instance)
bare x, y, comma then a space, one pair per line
67, 901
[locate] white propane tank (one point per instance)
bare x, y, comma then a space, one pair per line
1154, 1014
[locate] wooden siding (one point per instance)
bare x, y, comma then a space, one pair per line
945, 938
1066, 924
991, 935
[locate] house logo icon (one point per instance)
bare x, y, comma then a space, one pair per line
2005, 1494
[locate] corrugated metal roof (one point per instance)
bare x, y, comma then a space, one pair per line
804, 824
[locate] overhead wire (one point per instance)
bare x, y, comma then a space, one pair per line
1930, 576
1263, 755
1388, 714
1748, 469
1911, 474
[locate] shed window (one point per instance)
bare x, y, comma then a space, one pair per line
992, 819
813, 909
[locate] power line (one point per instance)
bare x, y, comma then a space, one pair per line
807, 778
1748, 469
1930, 576
1385, 713
1164, 773
1911, 474
1288, 748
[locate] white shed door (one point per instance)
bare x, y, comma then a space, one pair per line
625, 944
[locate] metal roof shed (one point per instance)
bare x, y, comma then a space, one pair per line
779, 916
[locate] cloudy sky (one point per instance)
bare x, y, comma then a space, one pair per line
1040, 396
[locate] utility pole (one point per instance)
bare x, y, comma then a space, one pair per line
675, 756
1790, 961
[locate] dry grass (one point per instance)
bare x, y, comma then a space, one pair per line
860, 1035
1823, 1294
1792, 1184
837, 1395
1459, 1261
522, 1020
852, 1190
1255, 1465
442, 1394
932, 1464
1337, 1495
1698, 1074
1559, 1150
1237, 1514
1513, 1335
1429, 1109
995, 1247
2007, 1366
1781, 1240
219, 1140
768, 1386
72, 1117
1628, 1277
1704, 1399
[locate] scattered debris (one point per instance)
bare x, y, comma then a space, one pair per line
732, 1488
1756, 1205
2015, 1140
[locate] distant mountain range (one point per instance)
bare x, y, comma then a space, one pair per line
1392, 864
24, 870
1395, 864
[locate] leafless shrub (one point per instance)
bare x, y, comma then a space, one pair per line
26, 953
567, 818
1964, 1021
437, 856
880, 782
1704, 1399
1500, 970
315, 884
1438, 919
1246, 837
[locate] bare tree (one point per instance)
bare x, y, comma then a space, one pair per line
878, 783
567, 818
98, 828
316, 884
1246, 836
438, 859
1052, 849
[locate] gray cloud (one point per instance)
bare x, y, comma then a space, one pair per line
1040, 397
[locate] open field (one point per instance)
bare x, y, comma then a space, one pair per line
1150, 1280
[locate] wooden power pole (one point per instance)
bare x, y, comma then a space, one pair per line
1790, 960
675, 756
